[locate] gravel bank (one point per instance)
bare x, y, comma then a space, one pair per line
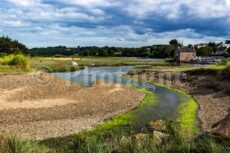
44, 106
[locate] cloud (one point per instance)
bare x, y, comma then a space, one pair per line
92, 3
24, 3
175, 9
114, 22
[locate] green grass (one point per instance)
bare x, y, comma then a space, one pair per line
188, 115
16, 145
14, 63
53, 65
166, 68
50, 64
187, 110
11, 69
225, 72
221, 71
18, 60
125, 120
122, 143
94, 61
173, 143
95, 141
118, 125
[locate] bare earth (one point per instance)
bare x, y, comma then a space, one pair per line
211, 93
43, 106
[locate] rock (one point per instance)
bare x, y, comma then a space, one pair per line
159, 136
141, 137
157, 125
125, 139
222, 128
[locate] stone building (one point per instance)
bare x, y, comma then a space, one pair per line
185, 54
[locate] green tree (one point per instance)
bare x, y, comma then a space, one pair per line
9, 46
174, 42
228, 50
214, 46
227, 41
204, 51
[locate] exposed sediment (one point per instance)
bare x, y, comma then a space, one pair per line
45, 106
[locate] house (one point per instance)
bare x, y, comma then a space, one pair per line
201, 45
185, 54
223, 48
118, 53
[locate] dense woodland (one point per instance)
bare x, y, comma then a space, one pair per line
148, 51
9, 46
158, 51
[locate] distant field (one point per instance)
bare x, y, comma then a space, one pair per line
72, 64
116, 61
65, 64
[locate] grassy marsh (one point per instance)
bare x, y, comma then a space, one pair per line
126, 120
14, 63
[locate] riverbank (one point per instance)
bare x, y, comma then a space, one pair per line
52, 64
211, 93
105, 137
44, 106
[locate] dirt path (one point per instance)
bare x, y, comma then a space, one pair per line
46, 107
212, 95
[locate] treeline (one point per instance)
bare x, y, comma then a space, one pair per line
9, 46
159, 51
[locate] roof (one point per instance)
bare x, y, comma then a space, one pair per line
185, 49
201, 44
221, 50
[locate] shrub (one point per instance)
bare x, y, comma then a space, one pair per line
173, 143
15, 145
225, 73
86, 142
18, 60
224, 62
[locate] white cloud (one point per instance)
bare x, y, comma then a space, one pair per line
41, 12
143, 8
92, 3
37, 23
24, 3
173, 9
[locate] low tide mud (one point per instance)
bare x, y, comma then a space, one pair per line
51, 107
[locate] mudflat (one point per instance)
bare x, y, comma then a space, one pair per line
212, 95
44, 106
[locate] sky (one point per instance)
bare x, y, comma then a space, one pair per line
124, 23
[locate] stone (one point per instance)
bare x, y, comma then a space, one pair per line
141, 139
158, 125
141, 136
159, 136
125, 139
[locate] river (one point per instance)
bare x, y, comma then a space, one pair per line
168, 100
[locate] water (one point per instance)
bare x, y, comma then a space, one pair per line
168, 100
148, 59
